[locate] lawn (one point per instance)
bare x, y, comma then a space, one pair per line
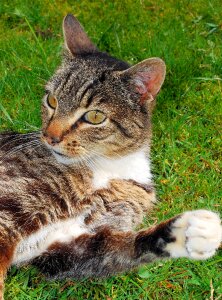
186, 151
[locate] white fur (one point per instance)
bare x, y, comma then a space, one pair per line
198, 235
65, 160
135, 166
38, 242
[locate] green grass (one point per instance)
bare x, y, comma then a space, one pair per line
186, 150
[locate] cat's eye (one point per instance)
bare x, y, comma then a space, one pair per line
94, 117
52, 101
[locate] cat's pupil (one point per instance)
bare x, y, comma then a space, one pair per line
96, 116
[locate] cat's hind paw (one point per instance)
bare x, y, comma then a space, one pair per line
197, 234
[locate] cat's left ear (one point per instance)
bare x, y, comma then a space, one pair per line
146, 77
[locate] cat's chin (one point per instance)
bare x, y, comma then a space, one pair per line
63, 159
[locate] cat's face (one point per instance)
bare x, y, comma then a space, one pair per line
95, 105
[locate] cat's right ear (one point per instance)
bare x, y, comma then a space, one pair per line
76, 40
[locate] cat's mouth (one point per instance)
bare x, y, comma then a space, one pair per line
63, 159
59, 153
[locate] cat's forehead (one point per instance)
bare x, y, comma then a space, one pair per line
77, 76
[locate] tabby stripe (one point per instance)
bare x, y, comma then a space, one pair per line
81, 93
122, 129
95, 81
68, 76
86, 95
148, 188
138, 124
57, 201
135, 206
5, 229
100, 135
62, 179
101, 79
90, 100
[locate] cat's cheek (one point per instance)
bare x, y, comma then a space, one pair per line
45, 117
76, 153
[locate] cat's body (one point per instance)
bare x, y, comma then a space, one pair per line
72, 195
53, 199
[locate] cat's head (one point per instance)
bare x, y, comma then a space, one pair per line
97, 105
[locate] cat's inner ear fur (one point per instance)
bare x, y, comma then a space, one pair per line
76, 40
146, 77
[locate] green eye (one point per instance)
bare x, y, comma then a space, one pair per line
52, 101
94, 117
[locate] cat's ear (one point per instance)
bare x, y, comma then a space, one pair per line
146, 77
76, 39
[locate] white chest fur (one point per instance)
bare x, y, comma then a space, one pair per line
135, 166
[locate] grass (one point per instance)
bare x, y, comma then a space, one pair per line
187, 122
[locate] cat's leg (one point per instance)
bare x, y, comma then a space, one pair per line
194, 234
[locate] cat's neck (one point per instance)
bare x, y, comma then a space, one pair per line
135, 166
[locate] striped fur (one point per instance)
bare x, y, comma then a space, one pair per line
72, 194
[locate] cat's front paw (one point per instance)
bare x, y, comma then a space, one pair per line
197, 234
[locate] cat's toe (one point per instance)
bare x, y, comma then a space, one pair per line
197, 234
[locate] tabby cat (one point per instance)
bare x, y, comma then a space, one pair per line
72, 195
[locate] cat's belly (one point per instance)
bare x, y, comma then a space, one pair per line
38, 242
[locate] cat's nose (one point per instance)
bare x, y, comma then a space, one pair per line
52, 140
55, 140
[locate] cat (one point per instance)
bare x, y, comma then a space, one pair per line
72, 195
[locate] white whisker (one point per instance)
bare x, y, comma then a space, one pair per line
18, 138
25, 146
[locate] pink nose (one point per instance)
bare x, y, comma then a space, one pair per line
53, 140
56, 131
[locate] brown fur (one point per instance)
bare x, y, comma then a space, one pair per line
47, 177
36, 190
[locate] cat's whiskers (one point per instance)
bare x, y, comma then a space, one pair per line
99, 159
103, 156
90, 161
16, 149
91, 164
19, 138
87, 161
80, 161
